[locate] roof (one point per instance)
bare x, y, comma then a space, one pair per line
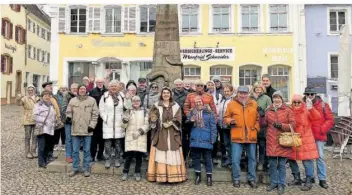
34, 9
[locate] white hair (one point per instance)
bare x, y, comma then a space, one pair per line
178, 81
131, 87
114, 82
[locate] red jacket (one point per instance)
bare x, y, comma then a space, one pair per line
304, 118
90, 86
321, 127
286, 117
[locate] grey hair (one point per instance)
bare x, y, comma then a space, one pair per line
131, 87
135, 98
113, 82
74, 84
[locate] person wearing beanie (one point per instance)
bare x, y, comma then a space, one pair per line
28, 103
263, 101
82, 113
266, 82
305, 114
320, 129
242, 117
279, 118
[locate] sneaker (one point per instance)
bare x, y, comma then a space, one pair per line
107, 164
137, 176
68, 159
35, 155
63, 148
117, 163
29, 156
56, 147
124, 177
86, 173
73, 173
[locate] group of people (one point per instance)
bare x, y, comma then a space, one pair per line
118, 122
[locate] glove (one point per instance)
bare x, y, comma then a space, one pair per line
277, 125
309, 104
233, 123
126, 116
167, 124
68, 120
135, 135
90, 129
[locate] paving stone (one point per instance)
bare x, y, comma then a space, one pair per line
57, 166
98, 168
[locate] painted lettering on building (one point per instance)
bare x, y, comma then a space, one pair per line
10, 47
208, 54
101, 43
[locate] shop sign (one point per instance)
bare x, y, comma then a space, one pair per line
10, 47
208, 54
101, 43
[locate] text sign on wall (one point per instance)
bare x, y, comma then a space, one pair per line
208, 54
278, 54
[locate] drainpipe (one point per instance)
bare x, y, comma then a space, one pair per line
25, 44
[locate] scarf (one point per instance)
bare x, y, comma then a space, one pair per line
115, 97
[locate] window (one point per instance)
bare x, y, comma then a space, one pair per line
34, 53
48, 36
278, 18
280, 79
191, 71
78, 70
145, 66
27, 77
29, 25
94, 19
20, 35
225, 73
48, 58
6, 64
6, 29
33, 27
337, 18
190, 18
38, 30
147, 18
43, 56
43, 33
130, 19
39, 52
15, 7
36, 79
221, 18
334, 73
78, 20
249, 75
29, 49
113, 20
250, 18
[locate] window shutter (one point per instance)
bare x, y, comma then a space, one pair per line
24, 34
62, 19
16, 32
125, 19
11, 30
10, 65
90, 19
3, 27
2, 63
96, 21
132, 19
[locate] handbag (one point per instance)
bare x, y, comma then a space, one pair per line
290, 139
39, 130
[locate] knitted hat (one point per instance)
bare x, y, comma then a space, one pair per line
278, 93
297, 97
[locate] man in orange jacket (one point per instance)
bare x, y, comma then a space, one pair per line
242, 116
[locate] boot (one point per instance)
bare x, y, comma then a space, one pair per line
271, 187
308, 184
73, 173
281, 189
117, 163
27, 149
107, 164
198, 178
312, 180
209, 180
296, 180
323, 184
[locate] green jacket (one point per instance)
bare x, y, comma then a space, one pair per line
263, 102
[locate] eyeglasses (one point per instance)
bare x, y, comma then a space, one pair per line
310, 94
154, 87
216, 81
199, 85
296, 102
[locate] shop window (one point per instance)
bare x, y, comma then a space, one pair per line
78, 20
6, 64
250, 18
140, 69
6, 28
78, 70
225, 73
113, 19
189, 19
147, 18
249, 74
221, 18
278, 18
280, 79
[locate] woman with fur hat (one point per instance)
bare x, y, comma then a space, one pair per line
279, 118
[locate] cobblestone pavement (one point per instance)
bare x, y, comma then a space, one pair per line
20, 176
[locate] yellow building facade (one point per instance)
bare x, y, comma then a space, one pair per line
239, 43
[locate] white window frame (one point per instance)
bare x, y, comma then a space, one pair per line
29, 25
103, 23
138, 18
260, 20
231, 20
189, 67
331, 54
289, 16
68, 19
199, 17
92, 10
348, 19
249, 67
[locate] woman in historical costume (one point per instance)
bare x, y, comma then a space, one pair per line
166, 163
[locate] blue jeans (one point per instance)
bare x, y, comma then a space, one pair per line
321, 166
43, 149
236, 158
277, 169
308, 167
227, 142
68, 141
196, 153
77, 140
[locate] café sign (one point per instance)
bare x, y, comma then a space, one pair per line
208, 54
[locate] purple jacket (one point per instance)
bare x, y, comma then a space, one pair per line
40, 112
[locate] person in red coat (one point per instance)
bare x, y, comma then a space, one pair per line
320, 130
279, 118
305, 115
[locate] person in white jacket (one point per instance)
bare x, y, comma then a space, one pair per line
111, 110
137, 125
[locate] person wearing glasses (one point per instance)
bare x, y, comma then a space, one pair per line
152, 96
305, 114
320, 130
